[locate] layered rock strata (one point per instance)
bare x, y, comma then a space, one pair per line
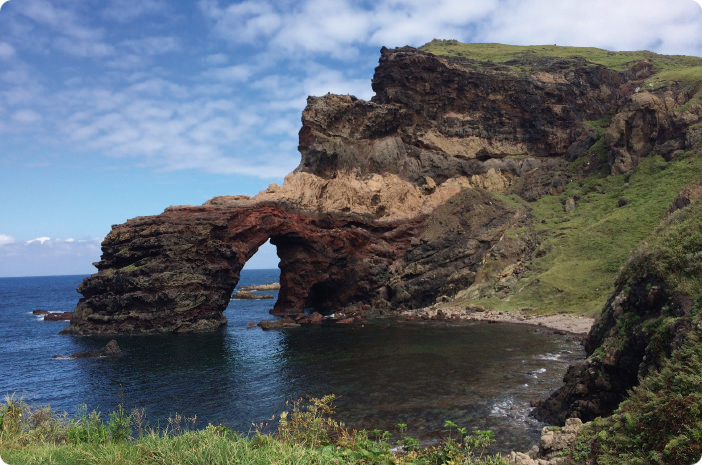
396, 201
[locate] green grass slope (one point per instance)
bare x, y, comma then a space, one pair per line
581, 251
499, 53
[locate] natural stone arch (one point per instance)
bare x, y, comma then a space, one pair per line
175, 272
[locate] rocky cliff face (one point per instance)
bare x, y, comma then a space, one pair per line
397, 201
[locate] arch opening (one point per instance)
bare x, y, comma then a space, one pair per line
265, 258
259, 277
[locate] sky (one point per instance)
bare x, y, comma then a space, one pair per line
111, 109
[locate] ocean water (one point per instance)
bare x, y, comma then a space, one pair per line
482, 376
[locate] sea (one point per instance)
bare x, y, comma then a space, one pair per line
383, 372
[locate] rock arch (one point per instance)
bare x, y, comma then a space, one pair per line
175, 272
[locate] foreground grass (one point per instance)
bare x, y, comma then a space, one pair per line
306, 435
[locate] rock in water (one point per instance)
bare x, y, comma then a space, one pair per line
246, 295
58, 316
111, 349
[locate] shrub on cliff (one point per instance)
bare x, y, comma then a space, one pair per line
660, 423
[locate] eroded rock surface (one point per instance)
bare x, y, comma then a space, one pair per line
396, 201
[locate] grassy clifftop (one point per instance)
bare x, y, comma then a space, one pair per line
504, 54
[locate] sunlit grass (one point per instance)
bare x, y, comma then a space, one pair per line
306, 435
582, 251
500, 53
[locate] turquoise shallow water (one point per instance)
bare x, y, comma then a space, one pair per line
477, 375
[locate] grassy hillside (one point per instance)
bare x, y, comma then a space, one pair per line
661, 422
581, 251
499, 53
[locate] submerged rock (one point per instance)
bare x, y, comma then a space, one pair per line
58, 316
280, 323
111, 349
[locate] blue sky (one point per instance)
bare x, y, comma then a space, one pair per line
111, 109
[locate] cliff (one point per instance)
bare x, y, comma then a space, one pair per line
455, 180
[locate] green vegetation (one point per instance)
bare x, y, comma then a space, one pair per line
499, 53
130, 267
661, 421
307, 434
581, 251
685, 70
674, 253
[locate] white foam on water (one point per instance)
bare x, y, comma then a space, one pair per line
548, 356
537, 372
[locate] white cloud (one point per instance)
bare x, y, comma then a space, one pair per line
628, 24
230, 74
247, 21
338, 27
41, 240
45, 256
5, 239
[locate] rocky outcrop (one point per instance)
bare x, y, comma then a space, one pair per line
650, 122
175, 272
395, 202
261, 287
640, 326
555, 446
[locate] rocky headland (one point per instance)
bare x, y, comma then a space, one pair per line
400, 201
480, 181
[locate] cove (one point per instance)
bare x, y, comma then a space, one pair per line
482, 376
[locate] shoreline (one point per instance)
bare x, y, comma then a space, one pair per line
560, 323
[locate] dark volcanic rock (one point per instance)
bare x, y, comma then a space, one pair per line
175, 272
